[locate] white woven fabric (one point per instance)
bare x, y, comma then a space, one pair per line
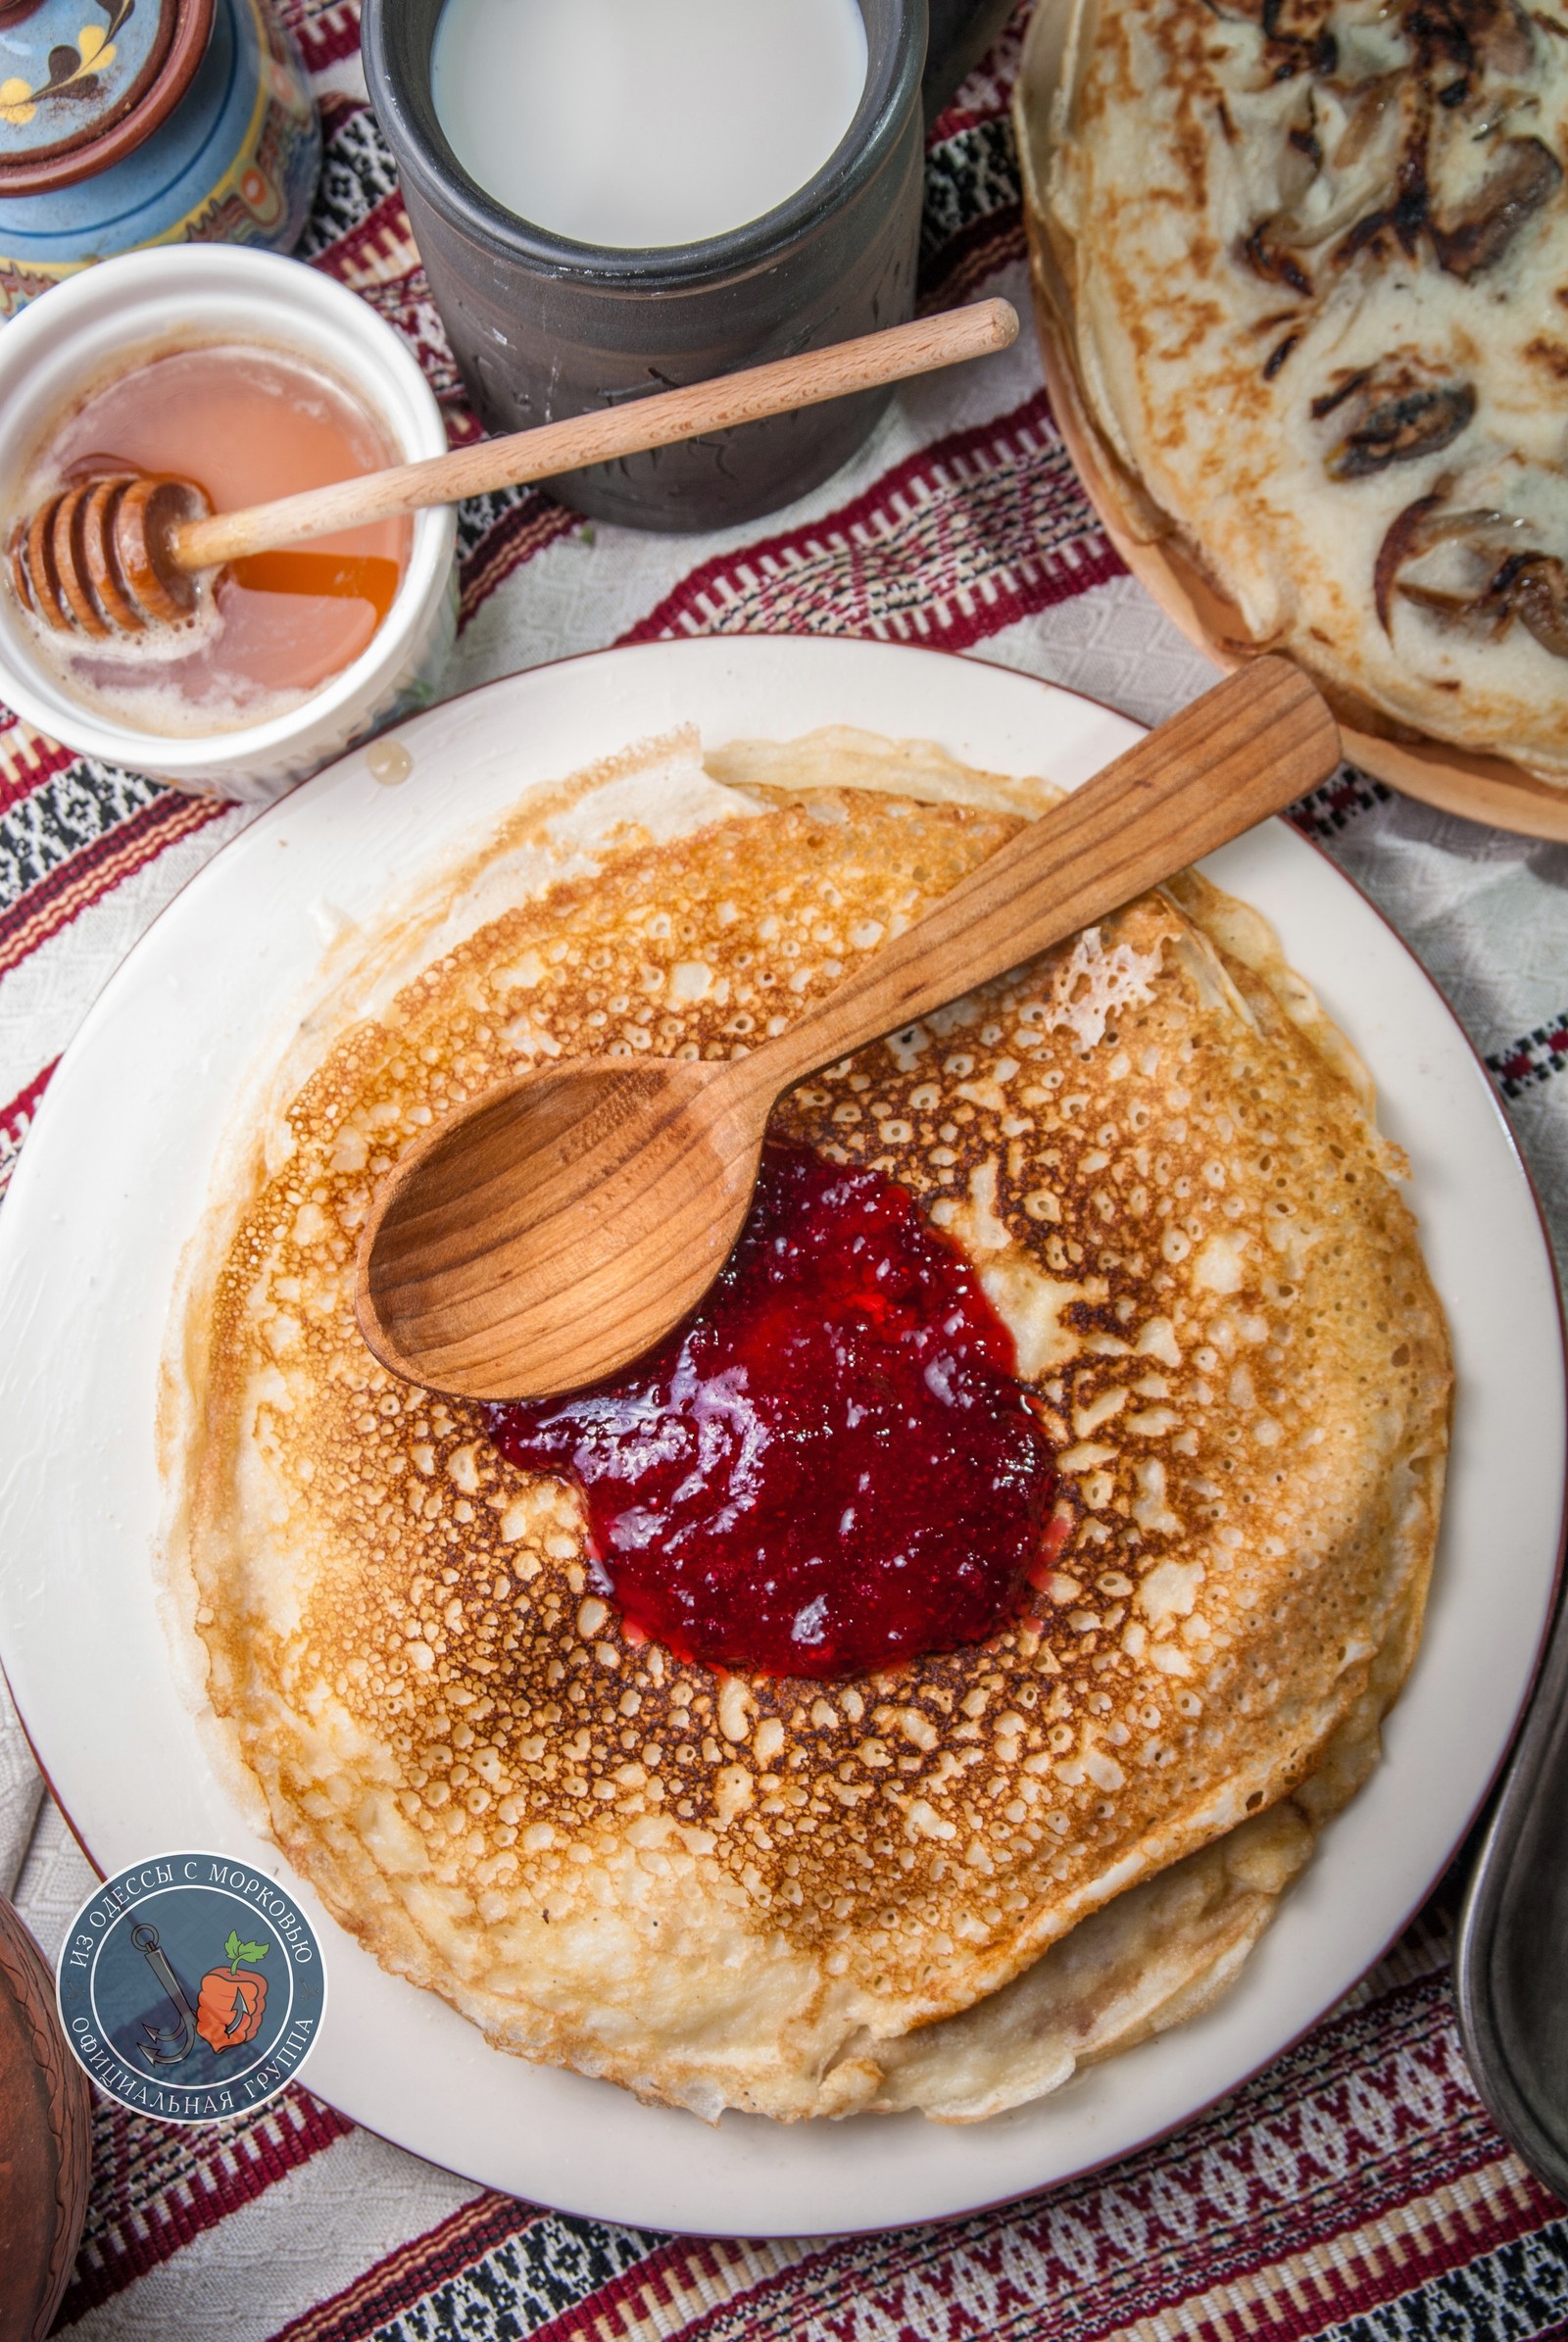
1486, 912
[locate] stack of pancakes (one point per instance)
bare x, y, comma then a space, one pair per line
946, 1886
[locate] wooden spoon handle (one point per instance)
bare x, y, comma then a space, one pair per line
1242, 752
630, 429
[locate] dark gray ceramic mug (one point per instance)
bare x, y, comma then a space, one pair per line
543, 326
962, 32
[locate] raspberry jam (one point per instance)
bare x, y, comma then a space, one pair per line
830, 1467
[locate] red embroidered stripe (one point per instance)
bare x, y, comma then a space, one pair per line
991, 522
1326, 812
1533, 1058
16, 1117
27, 758
15, 1120
988, 91
378, 250
106, 862
983, 2273
328, 38
413, 2270
670, 2292
1382, 2265
526, 529
973, 256
241, 2164
1014, 2295
1308, 2159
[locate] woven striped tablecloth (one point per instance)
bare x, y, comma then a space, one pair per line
1356, 2188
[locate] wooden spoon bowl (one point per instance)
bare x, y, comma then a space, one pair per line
556, 1230
580, 1180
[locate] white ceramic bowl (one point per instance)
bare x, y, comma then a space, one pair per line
207, 291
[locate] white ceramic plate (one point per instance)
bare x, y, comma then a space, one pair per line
112, 1181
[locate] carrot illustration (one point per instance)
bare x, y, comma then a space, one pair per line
229, 2008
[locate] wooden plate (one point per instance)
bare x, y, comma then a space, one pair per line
45, 2140
1482, 788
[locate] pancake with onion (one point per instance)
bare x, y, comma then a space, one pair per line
1310, 257
945, 1883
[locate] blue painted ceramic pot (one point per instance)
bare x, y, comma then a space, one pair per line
128, 122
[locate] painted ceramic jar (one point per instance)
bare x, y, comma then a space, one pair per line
128, 122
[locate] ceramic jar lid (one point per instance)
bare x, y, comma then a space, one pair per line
46, 2127
83, 82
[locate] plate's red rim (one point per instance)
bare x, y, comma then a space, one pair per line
1163, 2130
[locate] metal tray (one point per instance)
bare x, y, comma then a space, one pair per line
1511, 1967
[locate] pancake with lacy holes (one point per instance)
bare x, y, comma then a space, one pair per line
944, 1885
1311, 257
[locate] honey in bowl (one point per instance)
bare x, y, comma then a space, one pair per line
245, 424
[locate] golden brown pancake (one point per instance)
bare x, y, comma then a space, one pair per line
806, 1898
1311, 259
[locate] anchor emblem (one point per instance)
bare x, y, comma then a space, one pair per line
165, 2046
207, 2033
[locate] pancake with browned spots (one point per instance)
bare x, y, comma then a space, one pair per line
1309, 261
813, 1898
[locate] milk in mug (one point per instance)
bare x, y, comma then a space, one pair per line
646, 122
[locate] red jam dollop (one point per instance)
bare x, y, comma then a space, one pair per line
832, 1466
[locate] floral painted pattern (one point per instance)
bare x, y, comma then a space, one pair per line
72, 67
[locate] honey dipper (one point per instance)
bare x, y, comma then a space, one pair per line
119, 554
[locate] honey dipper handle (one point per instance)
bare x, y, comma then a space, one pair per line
669, 416
1238, 754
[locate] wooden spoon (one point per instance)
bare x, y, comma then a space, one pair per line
545, 1236
116, 554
